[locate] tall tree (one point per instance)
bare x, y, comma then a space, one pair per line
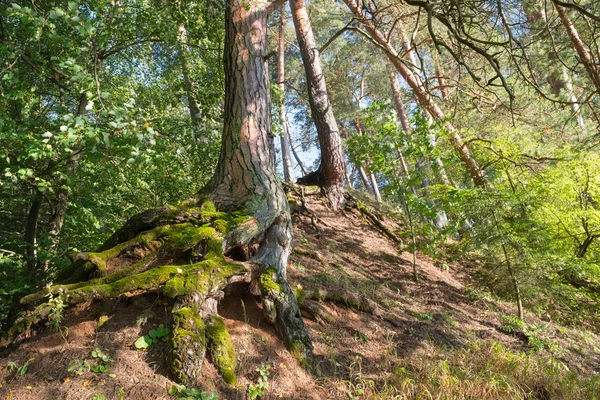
583, 52
420, 92
286, 161
331, 170
242, 204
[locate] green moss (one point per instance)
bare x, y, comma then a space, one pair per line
300, 294
187, 344
221, 225
208, 206
298, 351
268, 283
174, 287
222, 351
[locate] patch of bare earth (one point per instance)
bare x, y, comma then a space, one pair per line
411, 320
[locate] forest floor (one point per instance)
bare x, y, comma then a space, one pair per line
437, 336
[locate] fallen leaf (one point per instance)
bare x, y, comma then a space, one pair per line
66, 380
86, 383
28, 387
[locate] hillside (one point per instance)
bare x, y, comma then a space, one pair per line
377, 334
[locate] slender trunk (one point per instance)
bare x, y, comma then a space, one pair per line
575, 107
441, 219
364, 179
298, 160
566, 79
332, 155
441, 75
288, 171
372, 179
190, 91
60, 204
421, 94
348, 179
31, 232
375, 187
515, 283
585, 55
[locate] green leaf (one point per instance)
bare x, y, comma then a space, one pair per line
143, 342
162, 331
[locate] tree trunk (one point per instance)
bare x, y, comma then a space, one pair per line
441, 219
244, 178
575, 107
190, 91
31, 232
585, 55
288, 171
441, 75
372, 179
332, 156
421, 94
61, 201
243, 204
364, 178
298, 160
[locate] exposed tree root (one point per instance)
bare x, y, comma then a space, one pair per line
302, 208
372, 217
185, 258
311, 305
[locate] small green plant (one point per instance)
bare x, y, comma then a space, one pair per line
448, 318
121, 393
360, 337
299, 267
511, 324
80, 367
183, 393
425, 316
152, 337
57, 314
258, 390
20, 371
244, 310
99, 363
103, 361
98, 397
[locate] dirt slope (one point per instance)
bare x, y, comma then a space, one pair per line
357, 355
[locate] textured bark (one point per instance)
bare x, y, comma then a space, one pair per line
288, 171
585, 55
331, 170
245, 179
424, 98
